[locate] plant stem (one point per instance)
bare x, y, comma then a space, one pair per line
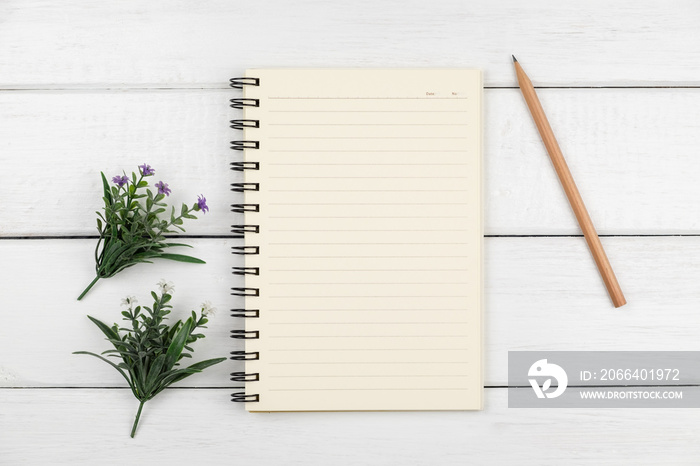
136, 421
88, 288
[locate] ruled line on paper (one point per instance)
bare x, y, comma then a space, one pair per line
368, 111
425, 217
372, 376
325, 309
347, 229
364, 257
369, 270
363, 243
370, 323
366, 164
362, 389
367, 124
367, 296
365, 98
368, 203
368, 283
426, 178
368, 137
372, 362
425, 151
367, 190
366, 336
374, 349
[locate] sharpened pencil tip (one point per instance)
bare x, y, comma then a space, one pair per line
514, 59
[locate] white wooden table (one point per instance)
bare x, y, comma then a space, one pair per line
88, 85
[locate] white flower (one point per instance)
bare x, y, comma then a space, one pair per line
129, 302
208, 309
166, 287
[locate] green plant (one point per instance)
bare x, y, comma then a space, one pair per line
149, 349
131, 228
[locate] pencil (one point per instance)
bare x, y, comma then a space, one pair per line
567, 182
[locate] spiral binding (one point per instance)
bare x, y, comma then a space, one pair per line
238, 83
242, 145
243, 124
242, 397
243, 229
242, 166
240, 187
245, 312
243, 356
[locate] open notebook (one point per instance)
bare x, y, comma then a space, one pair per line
363, 239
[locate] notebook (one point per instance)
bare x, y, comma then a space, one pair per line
362, 253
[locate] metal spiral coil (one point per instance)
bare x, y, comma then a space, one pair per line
240, 103
241, 166
245, 334
240, 208
245, 313
243, 356
245, 291
242, 124
240, 187
243, 229
238, 83
246, 270
243, 145
245, 250
241, 397
243, 377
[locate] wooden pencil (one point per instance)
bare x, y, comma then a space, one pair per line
567, 181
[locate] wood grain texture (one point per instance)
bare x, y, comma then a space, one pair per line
633, 154
541, 294
203, 427
87, 43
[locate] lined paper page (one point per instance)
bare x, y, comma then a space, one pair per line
370, 240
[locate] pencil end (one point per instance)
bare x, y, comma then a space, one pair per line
515, 60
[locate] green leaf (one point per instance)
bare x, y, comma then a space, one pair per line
105, 185
196, 367
169, 245
177, 345
111, 334
181, 258
155, 372
131, 385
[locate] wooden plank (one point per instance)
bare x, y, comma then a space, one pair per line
47, 323
166, 44
91, 426
56, 143
634, 180
541, 294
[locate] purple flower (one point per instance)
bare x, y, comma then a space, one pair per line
202, 203
146, 170
163, 188
120, 180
